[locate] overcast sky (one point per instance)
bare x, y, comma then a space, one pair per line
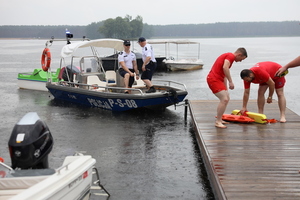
155, 12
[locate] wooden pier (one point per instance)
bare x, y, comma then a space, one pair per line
249, 161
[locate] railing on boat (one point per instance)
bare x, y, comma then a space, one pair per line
106, 88
167, 83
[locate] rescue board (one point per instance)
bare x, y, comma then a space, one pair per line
237, 118
257, 117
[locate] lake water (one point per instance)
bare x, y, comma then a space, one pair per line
140, 155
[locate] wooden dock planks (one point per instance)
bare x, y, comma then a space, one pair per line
249, 161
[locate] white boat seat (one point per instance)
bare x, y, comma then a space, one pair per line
17, 183
11, 186
111, 78
138, 83
8, 194
94, 80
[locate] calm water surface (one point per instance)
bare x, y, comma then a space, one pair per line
140, 155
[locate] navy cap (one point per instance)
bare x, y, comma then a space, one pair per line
141, 39
126, 42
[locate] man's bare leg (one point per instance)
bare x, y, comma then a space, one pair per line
224, 99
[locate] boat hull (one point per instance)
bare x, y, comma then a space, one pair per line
116, 101
71, 181
181, 65
32, 85
111, 63
36, 80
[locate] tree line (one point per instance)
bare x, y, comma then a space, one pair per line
128, 28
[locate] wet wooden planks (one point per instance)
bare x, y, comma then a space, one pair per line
249, 161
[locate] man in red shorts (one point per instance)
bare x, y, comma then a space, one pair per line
217, 80
264, 74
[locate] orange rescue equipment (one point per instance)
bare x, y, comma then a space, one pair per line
237, 118
46, 59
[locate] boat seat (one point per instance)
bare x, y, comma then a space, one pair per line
7, 194
138, 83
18, 183
94, 80
111, 78
12, 186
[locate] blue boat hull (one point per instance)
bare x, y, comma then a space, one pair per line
115, 101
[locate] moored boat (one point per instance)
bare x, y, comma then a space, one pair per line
30, 177
180, 64
183, 64
92, 87
37, 79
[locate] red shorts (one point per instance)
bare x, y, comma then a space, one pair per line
215, 85
279, 82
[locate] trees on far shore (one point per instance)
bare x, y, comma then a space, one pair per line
128, 28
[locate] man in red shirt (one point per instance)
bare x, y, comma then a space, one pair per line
217, 80
264, 74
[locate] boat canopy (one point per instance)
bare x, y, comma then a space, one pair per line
176, 42
68, 50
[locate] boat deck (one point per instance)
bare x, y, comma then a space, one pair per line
249, 161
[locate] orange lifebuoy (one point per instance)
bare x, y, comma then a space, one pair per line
46, 59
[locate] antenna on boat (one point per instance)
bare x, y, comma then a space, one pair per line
50, 41
68, 36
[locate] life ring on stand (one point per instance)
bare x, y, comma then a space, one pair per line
46, 59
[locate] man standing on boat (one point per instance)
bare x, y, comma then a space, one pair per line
128, 66
218, 77
264, 74
149, 64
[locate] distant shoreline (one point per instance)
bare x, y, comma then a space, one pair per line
160, 37
213, 30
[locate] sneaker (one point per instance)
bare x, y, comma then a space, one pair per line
151, 90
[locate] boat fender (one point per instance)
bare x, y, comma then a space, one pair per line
46, 59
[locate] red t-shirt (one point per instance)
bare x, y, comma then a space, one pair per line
217, 71
262, 72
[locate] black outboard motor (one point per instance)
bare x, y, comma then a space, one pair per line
68, 73
30, 143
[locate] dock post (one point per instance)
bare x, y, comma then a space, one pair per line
185, 109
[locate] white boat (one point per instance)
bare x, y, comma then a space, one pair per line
95, 87
29, 177
176, 64
183, 64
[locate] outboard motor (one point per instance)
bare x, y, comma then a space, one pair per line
69, 71
30, 143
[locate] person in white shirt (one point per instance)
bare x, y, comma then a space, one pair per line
128, 66
149, 64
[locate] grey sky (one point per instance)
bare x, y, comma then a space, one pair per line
84, 12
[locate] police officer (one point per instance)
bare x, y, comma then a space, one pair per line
149, 63
128, 66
